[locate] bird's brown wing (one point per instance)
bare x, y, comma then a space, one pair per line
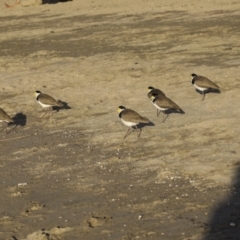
204, 82
132, 116
5, 116
48, 100
165, 102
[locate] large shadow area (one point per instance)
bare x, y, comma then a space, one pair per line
225, 221
54, 1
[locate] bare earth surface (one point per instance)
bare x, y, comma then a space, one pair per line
73, 176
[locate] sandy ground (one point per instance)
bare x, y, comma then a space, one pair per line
73, 176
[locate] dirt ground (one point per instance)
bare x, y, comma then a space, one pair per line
73, 176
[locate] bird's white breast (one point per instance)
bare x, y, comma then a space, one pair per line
158, 107
44, 105
199, 88
129, 124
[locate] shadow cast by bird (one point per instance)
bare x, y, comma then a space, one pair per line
170, 111
19, 119
142, 125
64, 106
54, 1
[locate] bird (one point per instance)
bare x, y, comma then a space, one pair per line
163, 103
203, 84
131, 119
152, 90
4, 117
46, 101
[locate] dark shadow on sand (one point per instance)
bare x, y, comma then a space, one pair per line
170, 111
54, 1
142, 125
20, 119
225, 221
65, 106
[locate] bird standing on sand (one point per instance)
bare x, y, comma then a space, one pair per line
46, 101
4, 117
155, 92
131, 119
203, 84
163, 103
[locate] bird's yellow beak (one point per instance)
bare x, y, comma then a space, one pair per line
152, 97
118, 110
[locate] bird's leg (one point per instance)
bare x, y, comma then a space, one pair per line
7, 124
164, 118
13, 127
158, 112
50, 111
6, 127
44, 113
140, 130
2, 127
203, 93
128, 132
